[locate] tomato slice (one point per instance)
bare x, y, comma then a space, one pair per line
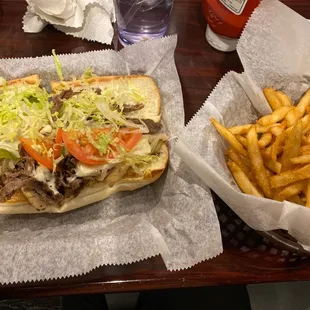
84, 152
58, 141
42, 159
79, 146
129, 138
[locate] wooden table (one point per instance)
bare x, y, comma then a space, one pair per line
200, 68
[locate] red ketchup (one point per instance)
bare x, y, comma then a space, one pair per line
226, 20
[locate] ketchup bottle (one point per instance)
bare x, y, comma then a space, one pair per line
226, 20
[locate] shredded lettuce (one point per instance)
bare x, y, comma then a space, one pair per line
134, 93
115, 118
4, 154
58, 65
102, 142
24, 110
9, 147
80, 111
87, 74
138, 163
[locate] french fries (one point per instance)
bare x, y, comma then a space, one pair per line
242, 180
303, 159
265, 139
229, 137
272, 157
292, 146
272, 98
299, 111
239, 160
285, 100
276, 116
240, 130
290, 191
257, 162
290, 176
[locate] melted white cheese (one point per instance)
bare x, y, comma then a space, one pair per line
44, 175
143, 147
84, 170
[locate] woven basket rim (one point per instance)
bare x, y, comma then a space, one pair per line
284, 240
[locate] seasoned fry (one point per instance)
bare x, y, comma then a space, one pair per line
243, 141
305, 120
263, 129
291, 190
299, 111
305, 149
257, 163
290, 176
265, 140
284, 98
229, 137
305, 123
306, 129
291, 147
304, 141
292, 117
276, 131
239, 160
274, 166
276, 116
296, 199
303, 159
266, 153
308, 194
272, 98
269, 173
277, 146
240, 130
242, 180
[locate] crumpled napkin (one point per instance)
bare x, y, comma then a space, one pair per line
86, 19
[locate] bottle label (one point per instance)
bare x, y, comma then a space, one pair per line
235, 6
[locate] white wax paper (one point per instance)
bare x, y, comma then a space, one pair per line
274, 50
174, 216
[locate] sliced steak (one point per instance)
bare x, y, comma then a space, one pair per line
132, 107
58, 99
65, 172
98, 91
66, 94
151, 125
18, 177
57, 104
40, 195
10, 187
26, 164
127, 107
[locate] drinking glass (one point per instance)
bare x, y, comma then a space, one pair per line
139, 20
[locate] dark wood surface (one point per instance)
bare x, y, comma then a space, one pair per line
200, 67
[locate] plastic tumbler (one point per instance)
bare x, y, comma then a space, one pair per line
139, 20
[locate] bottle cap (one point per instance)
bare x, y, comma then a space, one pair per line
220, 43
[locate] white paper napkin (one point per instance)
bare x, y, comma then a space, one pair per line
86, 19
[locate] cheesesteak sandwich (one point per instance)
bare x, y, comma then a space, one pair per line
89, 139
